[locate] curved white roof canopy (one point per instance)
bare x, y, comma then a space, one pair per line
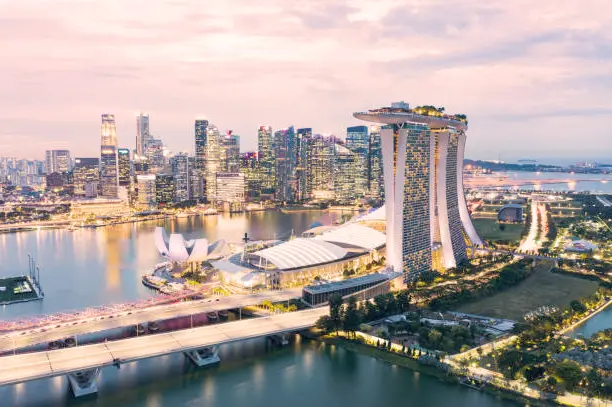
354, 235
301, 252
177, 249
378, 214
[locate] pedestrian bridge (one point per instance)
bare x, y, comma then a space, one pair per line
82, 363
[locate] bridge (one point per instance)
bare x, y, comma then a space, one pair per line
82, 364
125, 317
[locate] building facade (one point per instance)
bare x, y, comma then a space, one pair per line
358, 141
109, 165
125, 167
265, 144
164, 189
146, 190
142, 135
303, 186
284, 152
86, 170
57, 161
427, 219
182, 175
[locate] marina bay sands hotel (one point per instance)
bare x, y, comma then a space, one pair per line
428, 223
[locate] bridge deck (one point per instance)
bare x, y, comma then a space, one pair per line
24, 338
20, 368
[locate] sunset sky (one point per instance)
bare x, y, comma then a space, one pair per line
534, 77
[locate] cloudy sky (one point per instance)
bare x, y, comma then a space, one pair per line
534, 77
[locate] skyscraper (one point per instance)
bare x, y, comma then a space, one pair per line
86, 170
303, 186
57, 161
249, 166
212, 163
155, 154
427, 218
230, 152
346, 170
125, 167
284, 151
358, 141
164, 189
109, 168
198, 180
320, 166
181, 171
146, 190
142, 134
265, 142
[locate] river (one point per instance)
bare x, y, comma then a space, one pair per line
91, 267
599, 322
255, 375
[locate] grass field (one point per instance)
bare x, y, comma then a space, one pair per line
541, 288
489, 229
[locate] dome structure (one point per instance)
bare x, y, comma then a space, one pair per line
177, 249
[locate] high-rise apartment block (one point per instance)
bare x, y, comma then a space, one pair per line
428, 223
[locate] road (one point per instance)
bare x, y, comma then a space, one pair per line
31, 366
55, 331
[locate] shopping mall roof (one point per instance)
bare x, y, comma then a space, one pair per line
353, 282
301, 252
375, 215
354, 235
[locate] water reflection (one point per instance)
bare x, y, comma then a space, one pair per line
91, 267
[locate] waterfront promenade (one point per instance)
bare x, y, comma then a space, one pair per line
32, 366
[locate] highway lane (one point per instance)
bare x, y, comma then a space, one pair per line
51, 332
31, 366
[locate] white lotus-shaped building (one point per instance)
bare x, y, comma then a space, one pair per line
179, 250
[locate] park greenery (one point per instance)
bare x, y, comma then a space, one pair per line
556, 363
472, 290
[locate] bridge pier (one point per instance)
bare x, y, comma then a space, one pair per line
83, 383
279, 339
204, 356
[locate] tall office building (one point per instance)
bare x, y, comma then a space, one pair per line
181, 171
212, 163
428, 222
109, 168
142, 134
358, 141
303, 186
249, 166
201, 127
231, 187
267, 164
57, 161
146, 190
164, 189
320, 167
155, 154
125, 167
85, 171
230, 152
196, 182
346, 170
284, 151
198, 179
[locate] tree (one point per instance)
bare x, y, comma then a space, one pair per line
325, 324
578, 307
403, 301
570, 373
351, 318
335, 311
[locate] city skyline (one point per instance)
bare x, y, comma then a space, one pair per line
530, 86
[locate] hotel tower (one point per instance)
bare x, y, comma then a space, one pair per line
428, 223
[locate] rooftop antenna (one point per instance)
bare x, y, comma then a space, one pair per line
246, 240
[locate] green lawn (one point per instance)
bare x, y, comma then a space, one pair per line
541, 288
489, 229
